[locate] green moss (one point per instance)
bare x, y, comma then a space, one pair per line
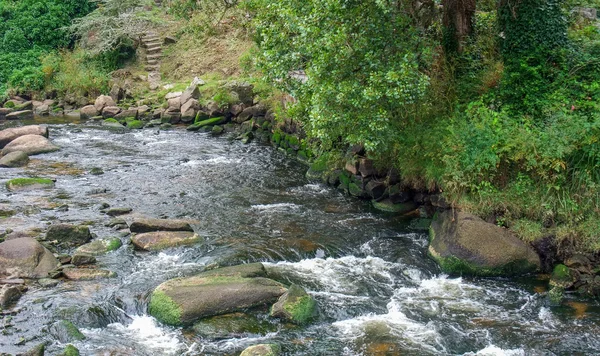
556, 295
201, 116
163, 308
389, 207
114, 244
276, 138
70, 350
112, 121
72, 331
205, 123
16, 183
562, 277
9, 105
134, 124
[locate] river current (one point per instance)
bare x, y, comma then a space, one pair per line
378, 293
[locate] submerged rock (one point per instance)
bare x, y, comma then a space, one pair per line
295, 306
64, 331
389, 207
118, 211
465, 244
18, 184
262, 350
10, 134
233, 325
71, 235
149, 225
84, 274
100, 247
25, 258
20, 115
10, 294
158, 240
81, 259
70, 350
14, 159
182, 301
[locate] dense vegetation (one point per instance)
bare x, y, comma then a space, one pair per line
29, 29
496, 107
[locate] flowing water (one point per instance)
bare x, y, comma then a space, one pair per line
378, 293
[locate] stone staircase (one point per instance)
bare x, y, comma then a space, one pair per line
153, 46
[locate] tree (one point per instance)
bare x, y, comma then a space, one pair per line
457, 22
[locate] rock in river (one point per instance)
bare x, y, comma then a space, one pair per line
8, 135
18, 184
84, 274
100, 247
14, 159
71, 235
182, 301
465, 244
149, 225
30, 144
25, 258
295, 306
158, 240
262, 350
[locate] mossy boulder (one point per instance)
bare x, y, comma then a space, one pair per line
100, 247
183, 301
159, 240
134, 124
205, 123
69, 235
19, 184
65, 331
319, 169
112, 123
262, 350
295, 306
25, 258
70, 350
389, 207
562, 277
234, 325
462, 243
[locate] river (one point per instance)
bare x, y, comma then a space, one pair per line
378, 293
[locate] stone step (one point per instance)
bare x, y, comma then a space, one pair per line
152, 68
152, 62
154, 56
151, 50
150, 39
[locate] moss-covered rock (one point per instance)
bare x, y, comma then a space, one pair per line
134, 124
389, 207
205, 123
462, 243
112, 123
65, 331
295, 306
319, 169
562, 277
70, 350
18, 184
182, 301
262, 350
69, 235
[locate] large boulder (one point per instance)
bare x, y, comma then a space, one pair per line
14, 159
20, 115
30, 144
182, 301
103, 101
8, 135
243, 91
189, 109
462, 243
25, 258
127, 114
110, 111
158, 240
87, 112
69, 235
192, 91
149, 225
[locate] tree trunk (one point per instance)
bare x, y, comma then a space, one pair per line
458, 23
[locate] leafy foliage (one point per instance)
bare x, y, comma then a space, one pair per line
361, 60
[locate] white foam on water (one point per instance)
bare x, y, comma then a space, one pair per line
340, 275
396, 325
315, 189
143, 333
496, 351
276, 207
223, 160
